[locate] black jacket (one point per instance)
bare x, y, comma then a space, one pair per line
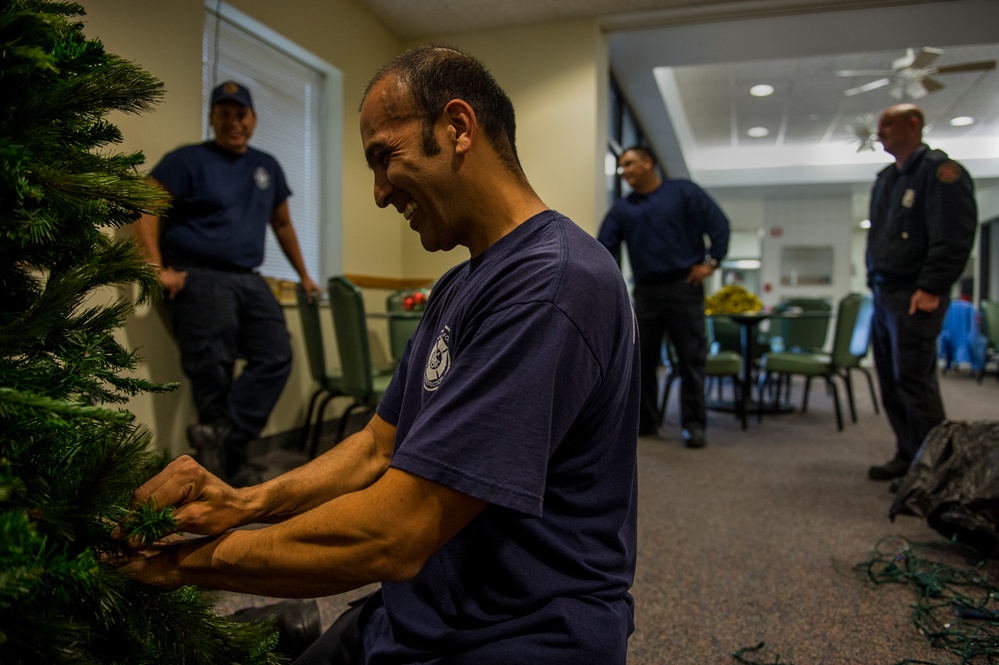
923, 221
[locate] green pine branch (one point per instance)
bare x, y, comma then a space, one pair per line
69, 460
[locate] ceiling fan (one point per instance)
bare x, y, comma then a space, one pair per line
912, 74
864, 131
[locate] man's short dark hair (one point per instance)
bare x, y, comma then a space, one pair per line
641, 150
434, 75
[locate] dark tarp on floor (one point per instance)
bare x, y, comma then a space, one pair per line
954, 484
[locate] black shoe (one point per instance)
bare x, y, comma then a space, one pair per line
889, 471
297, 622
209, 442
208, 435
693, 437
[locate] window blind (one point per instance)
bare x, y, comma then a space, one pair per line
287, 98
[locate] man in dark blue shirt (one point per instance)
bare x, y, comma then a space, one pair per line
923, 220
663, 223
494, 492
206, 248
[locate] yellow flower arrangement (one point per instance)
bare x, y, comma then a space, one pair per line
732, 299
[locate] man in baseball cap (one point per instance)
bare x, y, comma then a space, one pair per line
233, 92
206, 249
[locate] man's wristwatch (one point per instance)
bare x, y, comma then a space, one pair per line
712, 262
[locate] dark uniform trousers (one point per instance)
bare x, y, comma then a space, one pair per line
905, 356
676, 309
221, 316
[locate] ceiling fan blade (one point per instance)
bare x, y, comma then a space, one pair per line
931, 84
916, 89
925, 56
873, 85
864, 72
982, 66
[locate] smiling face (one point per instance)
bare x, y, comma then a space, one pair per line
638, 171
418, 185
233, 124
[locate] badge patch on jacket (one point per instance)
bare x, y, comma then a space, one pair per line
948, 172
908, 198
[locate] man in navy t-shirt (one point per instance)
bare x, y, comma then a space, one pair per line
493, 494
206, 248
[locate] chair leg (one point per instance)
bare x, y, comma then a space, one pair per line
304, 437
849, 395
870, 385
340, 429
662, 404
804, 397
762, 383
835, 395
738, 391
317, 428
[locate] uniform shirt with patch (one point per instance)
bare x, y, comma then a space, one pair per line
221, 205
520, 387
923, 221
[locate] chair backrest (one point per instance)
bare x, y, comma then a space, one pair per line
347, 308
805, 334
723, 334
399, 330
860, 341
990, 321
313, 334
846, 321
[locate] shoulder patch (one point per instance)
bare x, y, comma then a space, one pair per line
949, 172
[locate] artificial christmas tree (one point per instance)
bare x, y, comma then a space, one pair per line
70, 455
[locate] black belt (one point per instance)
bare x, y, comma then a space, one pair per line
889, 281
220, 267
663, 278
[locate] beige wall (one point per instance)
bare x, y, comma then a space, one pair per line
555, 74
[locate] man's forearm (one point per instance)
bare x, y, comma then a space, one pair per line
146, 230
353, 464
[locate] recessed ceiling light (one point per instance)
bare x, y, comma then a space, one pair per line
761, 90
961, 121
758, 132
865, 223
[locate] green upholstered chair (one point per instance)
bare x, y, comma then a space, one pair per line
359, 380
804, 335
723, 364
990, 329
724, 334
811, 365
329, 382
860, 344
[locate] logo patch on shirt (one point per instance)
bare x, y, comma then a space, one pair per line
438, 363
948, 173
262, 178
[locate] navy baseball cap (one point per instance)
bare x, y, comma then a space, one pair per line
232, 91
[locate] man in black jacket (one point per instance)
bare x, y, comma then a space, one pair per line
923, 221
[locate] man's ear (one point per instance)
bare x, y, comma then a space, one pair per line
462, 124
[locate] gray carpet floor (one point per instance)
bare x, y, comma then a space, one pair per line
754, 539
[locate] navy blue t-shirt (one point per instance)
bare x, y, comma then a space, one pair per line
520, 387
665, 230
222, 204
